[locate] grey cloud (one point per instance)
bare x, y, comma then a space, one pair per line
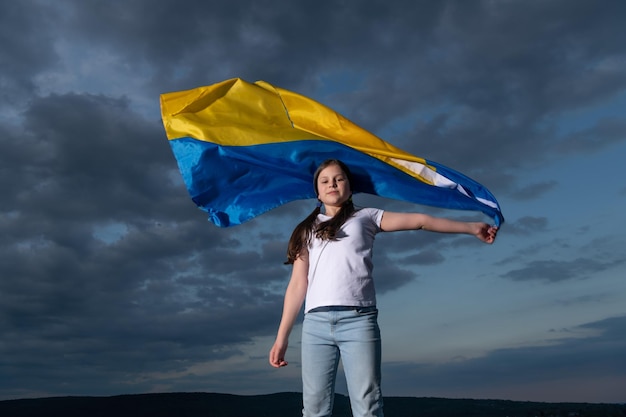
426, 257
25, 47
606, 132
533, 191
389, 276
595, 359
527, 225
150, 298
556, 271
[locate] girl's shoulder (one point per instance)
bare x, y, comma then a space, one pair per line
367, 211
372, 213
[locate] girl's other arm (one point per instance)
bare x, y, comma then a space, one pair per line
392, 222
294, 297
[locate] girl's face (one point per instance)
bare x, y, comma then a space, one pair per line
333, 186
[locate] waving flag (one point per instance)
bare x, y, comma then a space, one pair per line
246, 148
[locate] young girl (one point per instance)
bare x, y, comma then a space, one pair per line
331, 255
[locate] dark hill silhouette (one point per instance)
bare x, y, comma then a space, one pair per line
286, 405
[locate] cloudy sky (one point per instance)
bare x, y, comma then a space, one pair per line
113, 282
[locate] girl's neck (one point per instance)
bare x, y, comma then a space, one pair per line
331, 211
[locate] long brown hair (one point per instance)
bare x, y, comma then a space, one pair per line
301, 236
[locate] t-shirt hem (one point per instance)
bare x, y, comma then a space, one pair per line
352, 303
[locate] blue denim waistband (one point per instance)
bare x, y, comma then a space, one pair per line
342, 308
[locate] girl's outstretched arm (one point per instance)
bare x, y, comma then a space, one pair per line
392, 222
294, 297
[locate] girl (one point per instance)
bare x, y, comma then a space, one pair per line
331, 255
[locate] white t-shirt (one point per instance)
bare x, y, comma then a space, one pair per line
340, 271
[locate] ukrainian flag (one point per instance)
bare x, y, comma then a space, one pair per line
246, 148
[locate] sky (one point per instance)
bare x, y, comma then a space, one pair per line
113, 282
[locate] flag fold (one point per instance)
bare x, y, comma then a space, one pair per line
245, 148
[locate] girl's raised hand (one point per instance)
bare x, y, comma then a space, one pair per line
486, 232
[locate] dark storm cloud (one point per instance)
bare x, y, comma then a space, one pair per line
26, 49
276, 41
505, 86
163, 285
512, 86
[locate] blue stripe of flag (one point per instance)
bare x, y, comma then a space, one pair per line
234, 184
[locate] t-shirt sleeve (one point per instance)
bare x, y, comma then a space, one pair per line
376, 215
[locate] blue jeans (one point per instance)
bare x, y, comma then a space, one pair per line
354, 336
